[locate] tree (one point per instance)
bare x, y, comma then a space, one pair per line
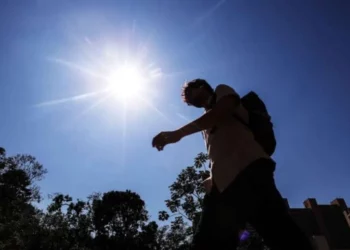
111, 220
175, 236
185, 203
66, 224
115, 219
121, 218
187, 192
19, 219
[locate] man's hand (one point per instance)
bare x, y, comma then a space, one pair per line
164, 138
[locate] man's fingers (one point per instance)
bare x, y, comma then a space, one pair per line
155, 140
159, 141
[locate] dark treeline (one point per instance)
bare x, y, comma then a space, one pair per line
111, 220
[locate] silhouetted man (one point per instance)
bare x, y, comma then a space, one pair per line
241, 187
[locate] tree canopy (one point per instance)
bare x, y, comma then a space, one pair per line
111, 220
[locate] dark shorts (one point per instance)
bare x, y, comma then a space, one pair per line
253, 198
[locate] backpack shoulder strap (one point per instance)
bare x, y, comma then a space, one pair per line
241, 120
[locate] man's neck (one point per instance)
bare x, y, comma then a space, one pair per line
209, 102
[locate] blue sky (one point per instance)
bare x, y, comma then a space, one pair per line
295, 54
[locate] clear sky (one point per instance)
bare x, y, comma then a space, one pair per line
56, 58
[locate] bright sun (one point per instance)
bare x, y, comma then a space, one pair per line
126, 83
116, 75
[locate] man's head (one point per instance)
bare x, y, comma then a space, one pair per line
197, 93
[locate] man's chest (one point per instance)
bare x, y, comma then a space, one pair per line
225, 139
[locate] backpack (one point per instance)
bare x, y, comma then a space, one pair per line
259, 122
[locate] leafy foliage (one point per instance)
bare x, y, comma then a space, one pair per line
187, 192
116, 219
185, 203
111, 220
19, 222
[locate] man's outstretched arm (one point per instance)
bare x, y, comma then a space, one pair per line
227, 102
224, 108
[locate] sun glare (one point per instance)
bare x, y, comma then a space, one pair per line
127, 82
114, 74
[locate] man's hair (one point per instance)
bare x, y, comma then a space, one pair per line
196, 83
